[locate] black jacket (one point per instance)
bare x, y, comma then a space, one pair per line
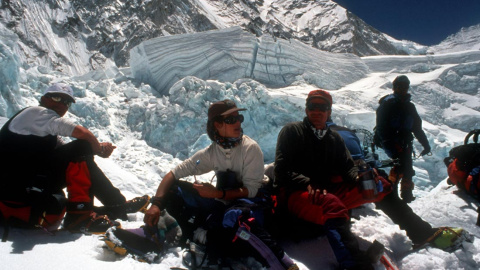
22, 158
397, 119
302, 159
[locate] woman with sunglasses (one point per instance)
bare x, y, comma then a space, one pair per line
237, 161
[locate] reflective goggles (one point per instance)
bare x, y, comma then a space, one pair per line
318, 106
63, 100
233, 119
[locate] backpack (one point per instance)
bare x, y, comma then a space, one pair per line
42, 209
463, 165
146, 244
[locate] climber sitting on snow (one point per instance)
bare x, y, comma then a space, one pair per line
317, 179
227, 208
35, 165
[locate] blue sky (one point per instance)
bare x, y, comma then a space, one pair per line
427, 22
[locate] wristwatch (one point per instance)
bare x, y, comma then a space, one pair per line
158, 202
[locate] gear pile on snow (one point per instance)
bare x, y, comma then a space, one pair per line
145, 243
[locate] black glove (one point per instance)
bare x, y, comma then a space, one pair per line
425, 151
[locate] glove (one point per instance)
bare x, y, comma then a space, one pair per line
425, 151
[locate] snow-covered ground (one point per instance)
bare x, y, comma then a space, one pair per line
154, 132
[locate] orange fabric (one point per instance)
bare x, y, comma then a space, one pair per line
333, 205
457, 176
78, 182
330, 207
351, 196
52, 221
23, 212
15, 209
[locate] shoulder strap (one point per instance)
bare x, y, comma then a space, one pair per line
475, 134
4, 128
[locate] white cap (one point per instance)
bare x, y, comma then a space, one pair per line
60, 88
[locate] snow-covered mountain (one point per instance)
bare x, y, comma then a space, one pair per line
76, 36
264, 55
466, 39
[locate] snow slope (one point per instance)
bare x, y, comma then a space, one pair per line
154, 132
136, 168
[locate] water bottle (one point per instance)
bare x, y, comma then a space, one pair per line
368, 186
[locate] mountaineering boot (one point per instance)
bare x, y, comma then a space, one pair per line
406, 190
81, 219
447, 238
143, 243
137, 204
120, 211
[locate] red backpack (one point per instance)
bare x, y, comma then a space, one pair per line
463, 165
40, 209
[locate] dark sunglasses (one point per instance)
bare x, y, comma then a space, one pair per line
63, 100
317, 106
233, 119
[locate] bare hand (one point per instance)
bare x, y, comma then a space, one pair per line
206, 190
315, 194
152, 215
106, 149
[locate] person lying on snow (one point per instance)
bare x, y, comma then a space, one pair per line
214, 215
35, 165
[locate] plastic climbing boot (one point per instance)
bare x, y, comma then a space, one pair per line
88, 223
448, 239
120, 211
137, 204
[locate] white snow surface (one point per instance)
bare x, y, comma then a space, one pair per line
154, 132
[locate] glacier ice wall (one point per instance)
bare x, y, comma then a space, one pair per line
10, 98
177, 124
231, 54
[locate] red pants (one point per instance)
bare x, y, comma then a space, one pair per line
332, 205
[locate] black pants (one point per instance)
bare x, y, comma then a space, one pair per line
49, 174
79, 150
405, 161
401, 214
